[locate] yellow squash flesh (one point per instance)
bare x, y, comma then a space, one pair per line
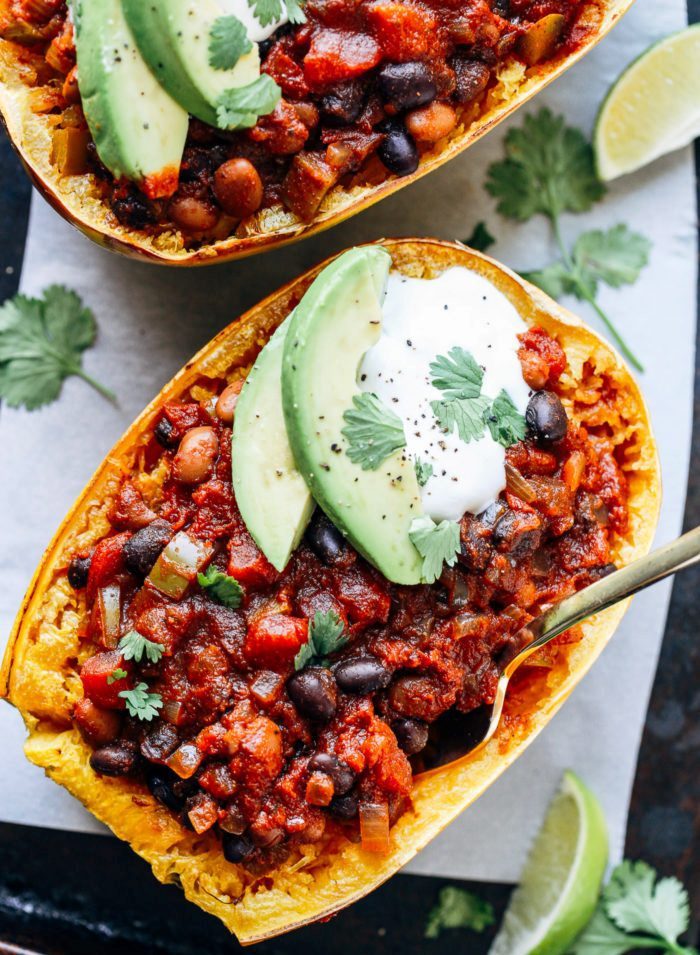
77, 198
40, 671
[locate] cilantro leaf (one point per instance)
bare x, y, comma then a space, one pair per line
295, 12
458, 374
466, 415
140, 703
554, 279
601, 937
224, 589
615, 257
228, 41
326, 635
480, 239
424, 471
240, 107
437, 544
41, 344
635, 904
457, 908
266, 11
506, 424
115, 675
133, 645
373, 431
548, 169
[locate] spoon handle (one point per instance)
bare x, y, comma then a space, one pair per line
678, 555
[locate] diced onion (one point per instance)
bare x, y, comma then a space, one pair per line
185, 761
173, 712
374, 826
179, 564
109, 602
517, 485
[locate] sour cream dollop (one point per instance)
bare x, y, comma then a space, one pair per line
425, 318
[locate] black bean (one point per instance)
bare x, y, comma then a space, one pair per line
324, 539
115, 759
143, 549
164, 433
314, 693
78, 571
340, 773
362, 675
411, 735
344, 104
406, 85
471, 79
160, 743
166, 787
546, 417
518, 533
398, 149
236, 848
133, 211
492, 513
344, 807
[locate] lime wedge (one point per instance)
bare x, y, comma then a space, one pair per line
562, 876
653, 108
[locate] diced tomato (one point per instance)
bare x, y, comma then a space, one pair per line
274, 640
94, 674
286, 72
404, 32
217, 780
106, 564
336, 55
183, 416
246, 561
203, 814
364, 599
550, 351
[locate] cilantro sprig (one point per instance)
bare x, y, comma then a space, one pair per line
41, 344
372, 430
133, 645
240, 107
465, 408
548, 170
267, 11
140, 703
637, 912
228, 42
115, 675
224, 589
480, 238
458, 908
437, 544
326, 635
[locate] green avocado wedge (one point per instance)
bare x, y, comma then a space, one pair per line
174, 38
144, 144
333, 326
272, 496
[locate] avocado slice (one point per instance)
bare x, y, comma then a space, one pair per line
335, 323
273, 498
138, 130
173, 37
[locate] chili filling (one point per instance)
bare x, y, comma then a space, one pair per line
367, 88
241, 742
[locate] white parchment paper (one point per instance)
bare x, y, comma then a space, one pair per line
152, 320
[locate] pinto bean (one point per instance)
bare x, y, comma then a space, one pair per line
193, 215
195, 458
238, 188
226, 403
430, 123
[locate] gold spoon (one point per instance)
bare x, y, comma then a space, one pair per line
455, 734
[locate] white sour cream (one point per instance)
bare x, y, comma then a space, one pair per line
424, 318
255, 30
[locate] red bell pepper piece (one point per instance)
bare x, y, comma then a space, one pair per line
94, 674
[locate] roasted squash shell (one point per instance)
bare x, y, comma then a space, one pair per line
77, 197
40, 671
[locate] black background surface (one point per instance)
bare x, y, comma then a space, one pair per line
71, 894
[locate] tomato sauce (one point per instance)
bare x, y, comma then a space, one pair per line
269, 756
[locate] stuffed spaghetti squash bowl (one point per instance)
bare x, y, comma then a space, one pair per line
258, 756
